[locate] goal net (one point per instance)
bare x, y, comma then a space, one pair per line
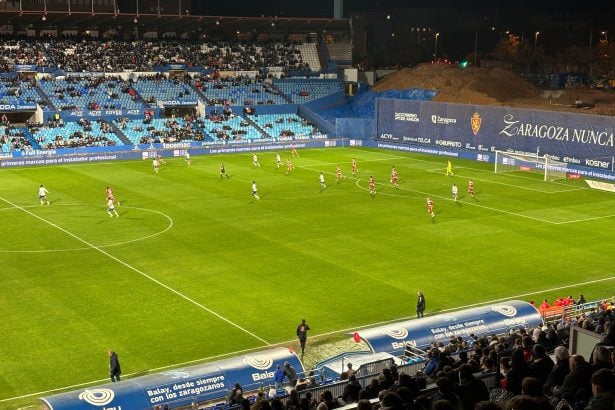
548, 168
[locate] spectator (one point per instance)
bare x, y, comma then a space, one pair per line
445, 392
578, 378
541, 364
559, 371
518, 370
351, 390
532, 387
470, 389
603, 390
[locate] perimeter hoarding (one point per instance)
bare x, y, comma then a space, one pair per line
583, 140
180, 387
480, 321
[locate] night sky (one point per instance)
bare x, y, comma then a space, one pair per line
324, 8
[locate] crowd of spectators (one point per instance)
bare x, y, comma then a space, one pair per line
452, 378
22, 51
13, 139
82, 136
115, 55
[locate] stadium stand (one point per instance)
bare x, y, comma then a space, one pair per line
286, 125
13, 139
74, 135
92, 93
301, 91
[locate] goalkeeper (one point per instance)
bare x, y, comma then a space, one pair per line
449, 168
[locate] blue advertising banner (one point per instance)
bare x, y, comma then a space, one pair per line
18, 106
21, 68
180, 387
584, 140
107, 115
479, 321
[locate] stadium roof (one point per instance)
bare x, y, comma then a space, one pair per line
82, 21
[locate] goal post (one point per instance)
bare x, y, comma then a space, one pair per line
550, 170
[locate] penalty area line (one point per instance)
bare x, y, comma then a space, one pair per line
145, 275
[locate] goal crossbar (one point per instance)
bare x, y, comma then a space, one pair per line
512, 162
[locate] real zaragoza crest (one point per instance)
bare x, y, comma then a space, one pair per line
475, 122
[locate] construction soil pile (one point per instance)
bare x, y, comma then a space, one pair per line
496, 86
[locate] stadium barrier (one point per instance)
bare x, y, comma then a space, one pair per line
576, 139
422, 333
149, 151
182, 387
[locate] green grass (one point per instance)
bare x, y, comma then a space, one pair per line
196, 268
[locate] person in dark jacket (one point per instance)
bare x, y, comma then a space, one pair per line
470, 389
518, 370
603, 389
114, 366
578, 378
541, 364
559, 371
351, 390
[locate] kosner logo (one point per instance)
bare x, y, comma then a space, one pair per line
406, 116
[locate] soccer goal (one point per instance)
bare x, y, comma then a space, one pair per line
511, 162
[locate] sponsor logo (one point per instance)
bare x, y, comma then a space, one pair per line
573, 176
7, 106
506, 310
406, 116
436, 119
97, 397
475, 122
259, 362
95, 113
176, 145
402, 345
396, 332
596, 163
446, 143
516, 128
572, 160
386, 136
133, 112
113, 112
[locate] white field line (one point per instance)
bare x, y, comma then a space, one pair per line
584, 219
145, 275
491, 181
101, 246
539, 292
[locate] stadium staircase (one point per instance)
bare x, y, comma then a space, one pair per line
201, 95
253, 123
45, 97
281, 94
120, 134
30, 137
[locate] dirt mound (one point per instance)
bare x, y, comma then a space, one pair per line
473, 85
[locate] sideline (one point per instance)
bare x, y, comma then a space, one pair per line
543, 291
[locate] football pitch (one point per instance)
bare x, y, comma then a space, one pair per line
196, 268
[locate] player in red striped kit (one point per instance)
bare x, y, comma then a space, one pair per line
394, 178
430, 206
